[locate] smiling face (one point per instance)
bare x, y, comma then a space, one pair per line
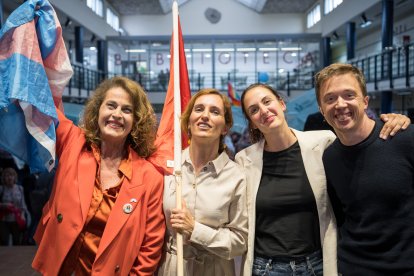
207, 119
343, 104
115, 116
264, 109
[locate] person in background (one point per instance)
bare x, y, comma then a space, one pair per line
162, 80
14, 216
370, 180
105, 211
213, 219
316, 121
291, 225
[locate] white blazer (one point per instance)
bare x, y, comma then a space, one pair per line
312, 145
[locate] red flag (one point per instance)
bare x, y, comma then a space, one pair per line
165, 134
232, 95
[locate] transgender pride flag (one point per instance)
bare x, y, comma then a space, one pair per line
34, 70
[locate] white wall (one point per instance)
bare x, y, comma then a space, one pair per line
78, 11
370, 42
235, 19
347, 10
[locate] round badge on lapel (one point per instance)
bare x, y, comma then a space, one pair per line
59, 218
133, 200
128, 208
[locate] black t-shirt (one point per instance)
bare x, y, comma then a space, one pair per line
287, 223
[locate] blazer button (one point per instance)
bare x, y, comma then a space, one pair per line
59, 218
117, 268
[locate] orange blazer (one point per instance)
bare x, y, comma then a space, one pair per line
131, 242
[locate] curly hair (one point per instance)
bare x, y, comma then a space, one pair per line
228, 115
142, 135
337, 69
254, 133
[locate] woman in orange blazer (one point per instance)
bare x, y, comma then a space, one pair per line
104, 216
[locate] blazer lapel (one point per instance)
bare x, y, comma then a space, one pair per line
311, 157
86, 180
256, 159
254, 166
127, 203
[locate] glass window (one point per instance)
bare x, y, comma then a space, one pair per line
96, 6
200, 65
267, 60
112, 19
330, 5
245, 64
213, 63
158, 72
314, 16
224, 63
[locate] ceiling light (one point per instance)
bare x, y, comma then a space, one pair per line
135, 50
68, 22
246, 49
224, 50
271, 49
291, 49
202, 50
365, 21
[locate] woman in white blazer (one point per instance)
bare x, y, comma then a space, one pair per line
291, 224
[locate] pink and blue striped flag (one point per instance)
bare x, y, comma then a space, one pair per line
34, 70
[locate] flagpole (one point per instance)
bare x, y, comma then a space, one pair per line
177, 134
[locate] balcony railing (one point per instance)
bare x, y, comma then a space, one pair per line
85, 80
388, 65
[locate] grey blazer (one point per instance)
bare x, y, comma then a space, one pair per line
312, 145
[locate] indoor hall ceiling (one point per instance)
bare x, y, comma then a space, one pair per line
287, 6
133, 7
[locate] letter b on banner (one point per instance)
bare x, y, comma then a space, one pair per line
160, 59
